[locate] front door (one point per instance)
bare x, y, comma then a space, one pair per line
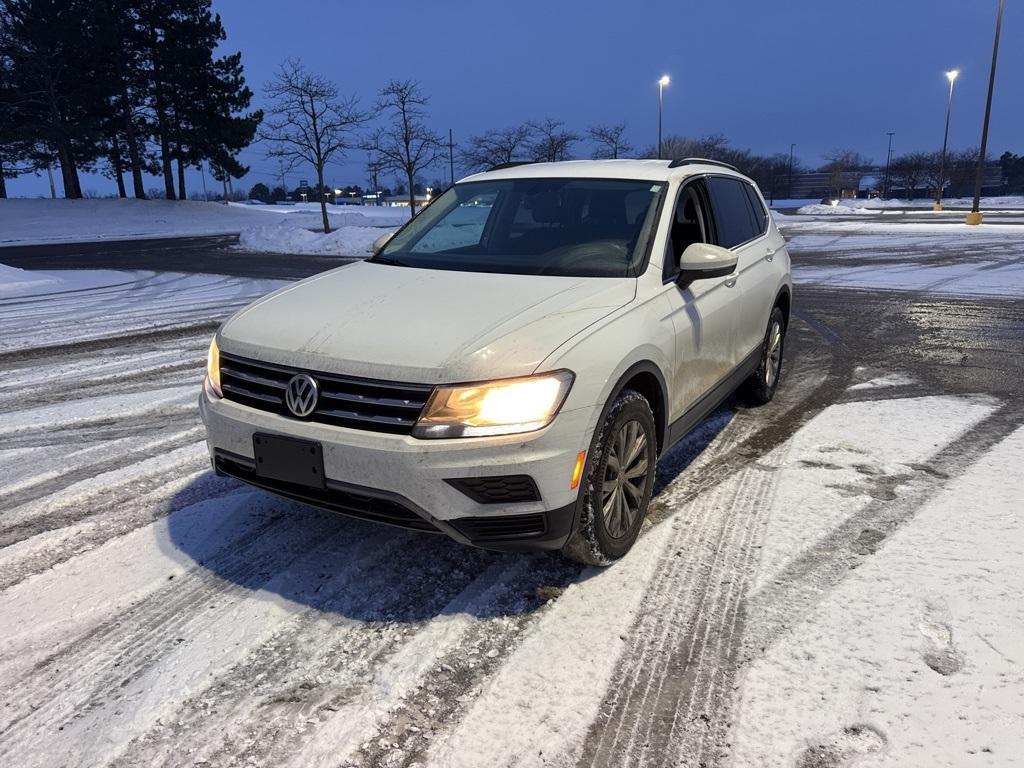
704, 313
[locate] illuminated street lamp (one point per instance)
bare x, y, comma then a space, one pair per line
951, 76
665, 80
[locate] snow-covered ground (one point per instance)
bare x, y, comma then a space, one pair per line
953, 259
830, 581
847, 207
24, 222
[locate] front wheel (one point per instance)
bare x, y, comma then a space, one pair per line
618, 483
760, 387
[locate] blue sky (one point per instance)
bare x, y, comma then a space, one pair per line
822, 75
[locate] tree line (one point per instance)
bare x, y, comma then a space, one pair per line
123, 87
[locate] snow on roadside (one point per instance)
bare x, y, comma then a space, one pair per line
26, 222
285, 237
21, 281
874, 205
16, 282
914, 659
829, 210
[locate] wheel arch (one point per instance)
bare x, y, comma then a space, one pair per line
646, 378
784, 301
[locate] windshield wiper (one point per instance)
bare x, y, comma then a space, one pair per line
386, 260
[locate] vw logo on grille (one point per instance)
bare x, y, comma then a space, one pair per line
301, 395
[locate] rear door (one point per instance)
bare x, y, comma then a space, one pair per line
742, 226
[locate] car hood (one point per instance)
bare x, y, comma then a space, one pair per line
421, 325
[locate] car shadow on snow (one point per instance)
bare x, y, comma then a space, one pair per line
277, 548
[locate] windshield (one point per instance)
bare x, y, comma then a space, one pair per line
570, 227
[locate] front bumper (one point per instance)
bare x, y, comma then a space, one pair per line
404, 481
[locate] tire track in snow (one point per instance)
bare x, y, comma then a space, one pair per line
663, 702
808, 579
109, 670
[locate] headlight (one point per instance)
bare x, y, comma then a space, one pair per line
212, 383
501, 407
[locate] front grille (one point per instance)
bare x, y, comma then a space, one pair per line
482, 529
498, 490
345, 401
336, 498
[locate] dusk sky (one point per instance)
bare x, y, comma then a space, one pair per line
822, 75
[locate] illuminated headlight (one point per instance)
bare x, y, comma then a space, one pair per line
502, 407
212, 381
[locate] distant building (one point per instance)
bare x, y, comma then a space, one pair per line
402, 201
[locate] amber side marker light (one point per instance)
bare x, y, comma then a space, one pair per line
577, 471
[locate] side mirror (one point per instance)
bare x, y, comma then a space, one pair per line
380, 242
701, 261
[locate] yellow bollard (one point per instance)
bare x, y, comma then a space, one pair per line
974, 217
937, 207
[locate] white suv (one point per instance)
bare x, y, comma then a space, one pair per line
508, 368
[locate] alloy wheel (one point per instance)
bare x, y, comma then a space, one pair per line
625, 477
774, 359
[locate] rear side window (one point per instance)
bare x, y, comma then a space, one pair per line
733, 217
760, 214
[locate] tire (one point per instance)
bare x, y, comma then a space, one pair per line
760, 388
613, 503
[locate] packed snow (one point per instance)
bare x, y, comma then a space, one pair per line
26, 222
831, 580
286, 237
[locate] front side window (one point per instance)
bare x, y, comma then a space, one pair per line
734, 219
569, 227
690, 224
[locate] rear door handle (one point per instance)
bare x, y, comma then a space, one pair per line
770, 254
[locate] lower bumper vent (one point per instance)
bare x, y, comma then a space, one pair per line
503, 489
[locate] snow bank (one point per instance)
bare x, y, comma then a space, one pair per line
855, 206
285, 237
14, 280
24, 222
24, 282
829, 210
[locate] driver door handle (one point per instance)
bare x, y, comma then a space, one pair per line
731, 282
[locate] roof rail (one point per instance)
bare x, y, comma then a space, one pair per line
513, 164
700, 161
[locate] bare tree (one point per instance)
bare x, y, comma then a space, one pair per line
308, 122
610, 140
550, 142
838, 163
907, 172
407, 146
495, 147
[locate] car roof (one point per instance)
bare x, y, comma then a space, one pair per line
643, 170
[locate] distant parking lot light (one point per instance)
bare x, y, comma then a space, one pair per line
951, 76
662, 82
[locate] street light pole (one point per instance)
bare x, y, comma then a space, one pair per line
888, 162
789, 183
951, 76
662, 82
974, 217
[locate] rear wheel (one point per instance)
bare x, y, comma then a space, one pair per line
760, 387
618, 483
